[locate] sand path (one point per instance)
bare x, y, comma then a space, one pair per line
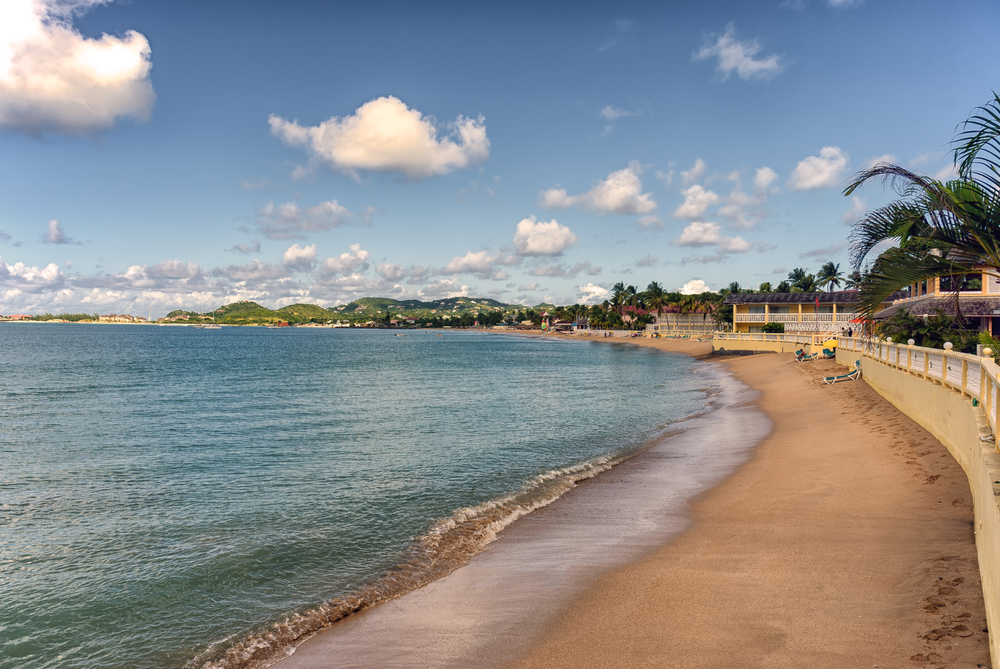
846, 541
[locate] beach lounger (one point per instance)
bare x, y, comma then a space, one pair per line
800, 356
828, 354
853, 376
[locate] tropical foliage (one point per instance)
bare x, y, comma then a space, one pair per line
936, 228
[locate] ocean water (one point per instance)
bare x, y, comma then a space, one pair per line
169, 495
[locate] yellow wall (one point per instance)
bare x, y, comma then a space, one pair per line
950, 416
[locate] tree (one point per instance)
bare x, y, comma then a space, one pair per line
765, 287
655, 297
829, 275
938, 228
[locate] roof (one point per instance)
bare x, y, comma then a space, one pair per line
838, 297
929, 306
835, 297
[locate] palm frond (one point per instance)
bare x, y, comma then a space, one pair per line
977, 146
897, 268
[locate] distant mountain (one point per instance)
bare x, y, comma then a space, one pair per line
365, 309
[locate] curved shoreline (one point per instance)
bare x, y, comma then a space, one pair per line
845, 541
487, 613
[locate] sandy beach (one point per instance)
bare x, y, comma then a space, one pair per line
846, 541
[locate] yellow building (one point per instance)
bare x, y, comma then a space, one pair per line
977, 293
808, 313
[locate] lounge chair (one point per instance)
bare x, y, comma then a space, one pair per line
828, 354
853, 376
800, 356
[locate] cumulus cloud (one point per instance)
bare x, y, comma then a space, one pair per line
384, 135
348, 263
528, 287
696, 201
56, 235
695, 287
822, 171
390, 271
444, 288
22, 278
694, 174
299, 257
651, 221
483, 263
739, 57
763, 178
884, 158
542, 239
288, 221
246, 249
53, 79
947, 173
620, 193
591, 293
702, 233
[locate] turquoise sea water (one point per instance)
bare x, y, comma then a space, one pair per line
168, 492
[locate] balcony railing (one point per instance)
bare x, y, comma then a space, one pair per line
845, 317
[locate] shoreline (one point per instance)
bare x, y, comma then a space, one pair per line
487, 613
798, 559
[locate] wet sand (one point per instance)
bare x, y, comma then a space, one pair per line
489, 612
846, 541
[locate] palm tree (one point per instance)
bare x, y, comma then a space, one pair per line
829, 275
656, 297
618, 297
853, 280
765, 287
939, 229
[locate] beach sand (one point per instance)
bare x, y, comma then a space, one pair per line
846, 541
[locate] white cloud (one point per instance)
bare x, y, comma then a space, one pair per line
695, 287
288, 221
666, 177
884, 158
822, 171
613, 113
299, 257
390, 271
696, 201
764, 177
844, 3
444, 288
384, 135
620, 193
702, 233
857, 210
53, 79
946, 173
24, 279
348, 263
593, 294
542, 239
694, 174
649, 222
528, 287
56, 235
739, 56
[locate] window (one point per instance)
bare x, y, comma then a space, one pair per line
756, 310
824, 309
781, 310
962, 282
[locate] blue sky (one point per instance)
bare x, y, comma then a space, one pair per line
159, 155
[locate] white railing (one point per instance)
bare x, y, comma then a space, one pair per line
761, 336
969, 374
845, 317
